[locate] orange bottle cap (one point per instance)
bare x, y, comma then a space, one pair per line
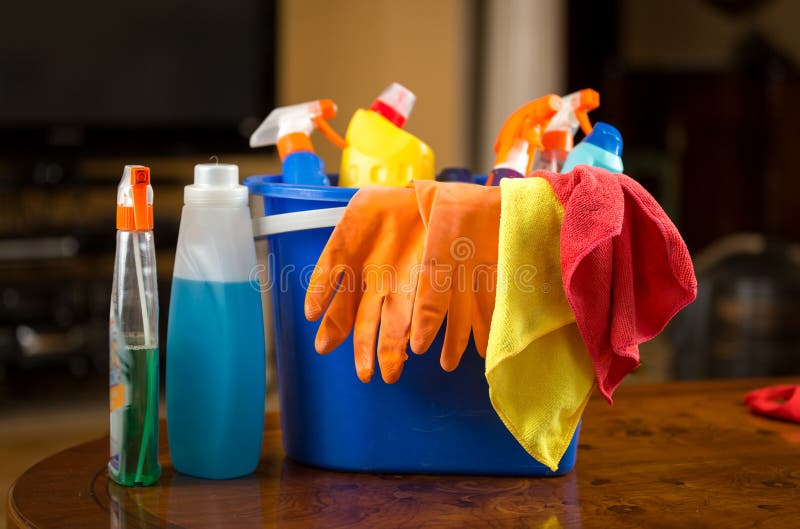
557, 139
294, 142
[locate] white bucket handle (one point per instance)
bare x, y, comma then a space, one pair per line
296, 221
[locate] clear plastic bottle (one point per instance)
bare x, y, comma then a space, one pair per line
133, 337
215, 333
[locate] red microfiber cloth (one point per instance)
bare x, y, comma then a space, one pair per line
778, 402
625, 268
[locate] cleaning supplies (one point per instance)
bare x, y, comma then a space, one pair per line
459, 267
290, 129
600, 148
215, 335
558, 136
539, 373
133, 336
625, 269
369, 269
378, 150
520, 137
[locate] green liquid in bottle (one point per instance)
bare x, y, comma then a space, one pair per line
134, 416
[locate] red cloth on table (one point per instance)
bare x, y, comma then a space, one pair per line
778, 402
625, 268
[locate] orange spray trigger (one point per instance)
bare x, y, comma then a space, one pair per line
534, 114
140, 179
532, 133
329, 133
327, 111
588, 100
135, 199
583, 119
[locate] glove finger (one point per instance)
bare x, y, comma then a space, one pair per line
482, 310
425, 191
456, 336
338, 321
430, 306
332, 270
393, 336
365, 333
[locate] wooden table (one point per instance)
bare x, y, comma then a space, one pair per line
674, 455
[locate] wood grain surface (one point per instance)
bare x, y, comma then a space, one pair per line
673, 455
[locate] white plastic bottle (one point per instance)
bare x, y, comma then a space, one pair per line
215, 334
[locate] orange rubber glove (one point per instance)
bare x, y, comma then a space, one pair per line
369, 267
459, 267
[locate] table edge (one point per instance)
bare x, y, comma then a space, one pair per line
15, 519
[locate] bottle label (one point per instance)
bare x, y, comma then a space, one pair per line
118, 396
117, 385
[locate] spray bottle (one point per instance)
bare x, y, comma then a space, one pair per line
290, 129
558, 137
215, 334
520, 137
133, 336
601, 148
378, 150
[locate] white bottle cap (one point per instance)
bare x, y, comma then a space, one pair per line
216, 184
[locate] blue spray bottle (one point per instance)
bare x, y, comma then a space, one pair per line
601, 148
215, 335
290, 129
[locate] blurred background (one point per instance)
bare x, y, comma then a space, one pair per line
706, 94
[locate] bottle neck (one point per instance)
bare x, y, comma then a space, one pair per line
207, 197
388, 112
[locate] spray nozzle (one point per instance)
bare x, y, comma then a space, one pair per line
135, 199
521, 134
395, 104
574, 113
290, 127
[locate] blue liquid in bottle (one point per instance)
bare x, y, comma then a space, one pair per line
215, 378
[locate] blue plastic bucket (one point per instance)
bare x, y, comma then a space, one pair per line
430, 421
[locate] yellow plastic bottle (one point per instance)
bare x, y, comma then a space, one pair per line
378, 150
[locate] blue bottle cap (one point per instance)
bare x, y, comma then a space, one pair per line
607, 137
455, 174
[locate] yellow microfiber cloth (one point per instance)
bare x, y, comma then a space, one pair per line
539, 372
